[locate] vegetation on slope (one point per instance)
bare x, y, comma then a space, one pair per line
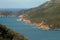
48, 12
7, 34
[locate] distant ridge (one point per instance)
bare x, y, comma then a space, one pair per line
11, 9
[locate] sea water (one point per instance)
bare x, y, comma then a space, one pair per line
29, 31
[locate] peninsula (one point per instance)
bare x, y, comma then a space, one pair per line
46, 16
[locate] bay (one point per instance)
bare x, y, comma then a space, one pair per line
29, 31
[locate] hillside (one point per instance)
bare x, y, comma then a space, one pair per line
8, 34
48, 13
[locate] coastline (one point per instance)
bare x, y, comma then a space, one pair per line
39, 25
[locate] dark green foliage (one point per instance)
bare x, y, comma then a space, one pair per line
7, 34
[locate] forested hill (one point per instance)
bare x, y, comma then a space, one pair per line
48, 12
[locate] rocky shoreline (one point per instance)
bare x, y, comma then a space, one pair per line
39, 25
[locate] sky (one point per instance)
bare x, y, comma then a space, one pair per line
20, 3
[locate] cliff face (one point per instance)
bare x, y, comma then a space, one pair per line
7, 34
48, 12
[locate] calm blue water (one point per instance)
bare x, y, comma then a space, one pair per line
30, 31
